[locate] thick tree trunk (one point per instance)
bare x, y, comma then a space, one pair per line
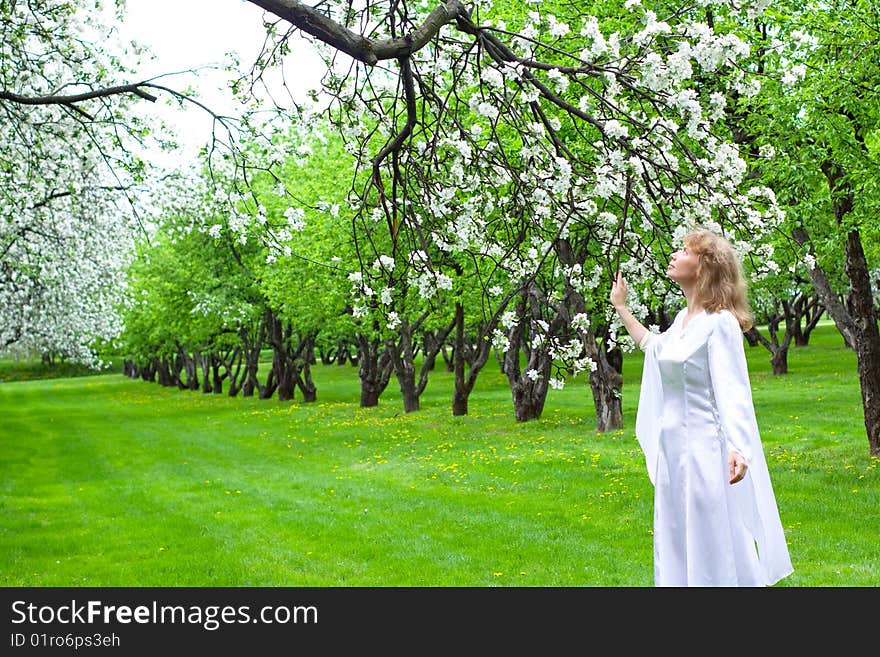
408, 394
252, 344
284, 366
403, 354
187, 364
778, 351
459, 402
164, 373
148, 373
402, 360
779, 361
868, 337
606, 382
216, 377
808, 310
160, 370
528, 401
529, 393
374, 370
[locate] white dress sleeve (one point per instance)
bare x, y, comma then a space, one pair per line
730, 385
754, 495
650, 406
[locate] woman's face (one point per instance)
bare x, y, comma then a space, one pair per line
683, 266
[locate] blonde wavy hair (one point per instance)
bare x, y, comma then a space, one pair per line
720, 280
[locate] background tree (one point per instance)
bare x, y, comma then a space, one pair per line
816, 126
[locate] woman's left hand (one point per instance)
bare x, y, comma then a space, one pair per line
736, 462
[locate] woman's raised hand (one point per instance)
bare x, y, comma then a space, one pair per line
619, 291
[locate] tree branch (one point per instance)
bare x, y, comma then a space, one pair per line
311, 21
841, 316
55, 99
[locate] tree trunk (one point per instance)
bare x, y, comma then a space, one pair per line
327, 356
343, 354
163, 371
779, 361
461, 392
204, 361
284, 366
374, 370
529, 394
808, 310
148, 370
252, 345
402, 360
218, 361
304, 377
432, 346
606, 382
528, 401
233, 366
835, 308
859, 323
473, 354
868, 337
187, 364
778, 351
448, 360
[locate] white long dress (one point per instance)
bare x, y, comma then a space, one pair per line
695, 406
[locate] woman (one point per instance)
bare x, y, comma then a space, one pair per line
715, 517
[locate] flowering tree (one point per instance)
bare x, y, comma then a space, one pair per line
70, 139
64, 235
556, 144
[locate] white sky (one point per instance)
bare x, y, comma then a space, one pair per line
189, 34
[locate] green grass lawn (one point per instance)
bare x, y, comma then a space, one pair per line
105, 481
